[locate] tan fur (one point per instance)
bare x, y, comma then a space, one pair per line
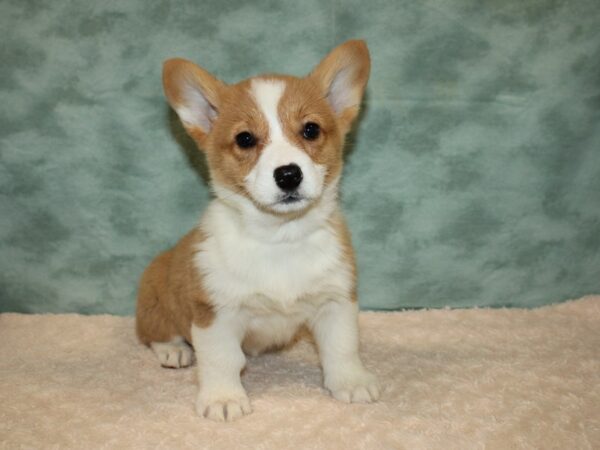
176, 73
171, 296
304, 100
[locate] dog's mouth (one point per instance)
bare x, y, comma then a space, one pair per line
291, 197
290, 202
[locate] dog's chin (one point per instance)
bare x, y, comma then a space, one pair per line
290, 204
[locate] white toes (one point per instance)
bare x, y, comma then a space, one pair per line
187, 357
245, 405
173, 354
223, 409
354, 387
233, 410
361, 395
374, 391
215, 412
342, 395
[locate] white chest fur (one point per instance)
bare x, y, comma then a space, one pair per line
275, 274
272, 271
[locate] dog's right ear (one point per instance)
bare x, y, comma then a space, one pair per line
194, 94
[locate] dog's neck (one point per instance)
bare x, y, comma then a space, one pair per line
268, 227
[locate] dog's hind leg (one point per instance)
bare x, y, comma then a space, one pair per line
154, 323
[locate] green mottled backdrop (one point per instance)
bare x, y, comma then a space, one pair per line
473, 177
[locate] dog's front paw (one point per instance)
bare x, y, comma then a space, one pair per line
353, 386
225, 406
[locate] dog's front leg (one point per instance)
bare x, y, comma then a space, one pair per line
335, 329
220, 361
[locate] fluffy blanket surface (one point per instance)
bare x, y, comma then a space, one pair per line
453, 379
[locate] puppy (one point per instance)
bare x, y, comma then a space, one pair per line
272, 252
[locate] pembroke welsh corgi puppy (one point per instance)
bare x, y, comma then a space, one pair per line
272, 252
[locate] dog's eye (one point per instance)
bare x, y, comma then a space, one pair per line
311, 131
245, 139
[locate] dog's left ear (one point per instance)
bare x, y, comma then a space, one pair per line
342, 76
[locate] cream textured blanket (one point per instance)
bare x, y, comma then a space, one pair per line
453, 379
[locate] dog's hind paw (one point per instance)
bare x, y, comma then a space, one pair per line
174, 354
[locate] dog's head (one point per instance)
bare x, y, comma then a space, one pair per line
275, 140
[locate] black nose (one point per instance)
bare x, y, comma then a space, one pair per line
288, 177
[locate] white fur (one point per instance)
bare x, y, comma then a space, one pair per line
220, 360
335, 329
268, 274
256, 260
280, 152
175, 353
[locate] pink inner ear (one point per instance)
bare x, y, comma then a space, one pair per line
341, 93
195, 111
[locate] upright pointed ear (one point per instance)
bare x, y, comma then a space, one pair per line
342, 76
194, 94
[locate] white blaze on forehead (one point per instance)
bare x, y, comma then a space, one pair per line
279, 151
267, 94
